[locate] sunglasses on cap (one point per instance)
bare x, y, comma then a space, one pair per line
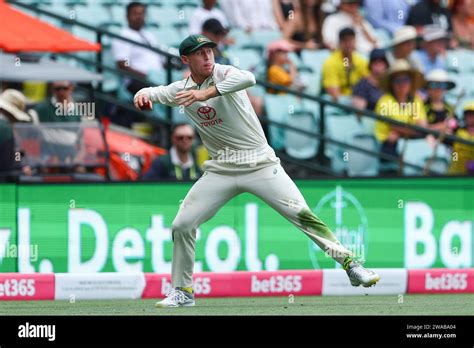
401, 79
437, 85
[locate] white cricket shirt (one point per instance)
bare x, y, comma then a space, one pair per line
227, 124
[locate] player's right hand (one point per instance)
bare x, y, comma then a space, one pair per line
142, 102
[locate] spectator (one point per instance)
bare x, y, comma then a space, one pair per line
427, 12
463, 162
284, 12
439, 113
12, 110
13, 106
344, 68
389, 15
403, 47
250, 15
304, 30
463, 23
367, 92
349, 16
202, 14
214, 30
131, 58
399, 103
58, 107
281, 70
433, 49
179, 163
7, 148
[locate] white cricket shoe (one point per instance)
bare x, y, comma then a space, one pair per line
359, 275
177, 298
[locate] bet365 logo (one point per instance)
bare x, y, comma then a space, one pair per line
344, 215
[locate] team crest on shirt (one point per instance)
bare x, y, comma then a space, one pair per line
208, 116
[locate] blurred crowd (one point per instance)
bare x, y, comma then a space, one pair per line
410, 71
403, 77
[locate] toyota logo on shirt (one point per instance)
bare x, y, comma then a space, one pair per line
206, 113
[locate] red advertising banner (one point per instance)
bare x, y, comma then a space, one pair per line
240, 284
427, 281
15, 286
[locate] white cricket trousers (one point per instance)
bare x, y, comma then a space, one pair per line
213, 190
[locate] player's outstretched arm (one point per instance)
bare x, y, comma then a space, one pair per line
145, 97
234, 80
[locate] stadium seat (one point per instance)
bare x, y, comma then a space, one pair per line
296, 59
463, 85
299, 145
157, 78
256, 40
169, 16
152, 3
315, 58
61, 10
341, 128
32, 13
241, 37
111, 80
53, 21
334, 110
84, 33
107, 40
368, 124
188, 4
312, 82
383, 37
119, 15
359, 163
72, 2
244, 59
264, 37
460, 61
29, 2
43, 2
165, 16
439, 165
92, 14
418, 151
166, 36
278, 108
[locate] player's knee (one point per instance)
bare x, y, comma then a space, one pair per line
181, 227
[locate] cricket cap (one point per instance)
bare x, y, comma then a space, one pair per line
193, 43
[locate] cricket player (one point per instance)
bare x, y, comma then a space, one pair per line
215, 100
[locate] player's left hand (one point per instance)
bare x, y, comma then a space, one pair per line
186, 98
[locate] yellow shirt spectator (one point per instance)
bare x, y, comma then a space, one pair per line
277, 75
335, 74
462, 153
411, 113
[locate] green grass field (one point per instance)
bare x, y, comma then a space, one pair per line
462, 304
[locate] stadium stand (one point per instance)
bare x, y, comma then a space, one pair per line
168, 21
